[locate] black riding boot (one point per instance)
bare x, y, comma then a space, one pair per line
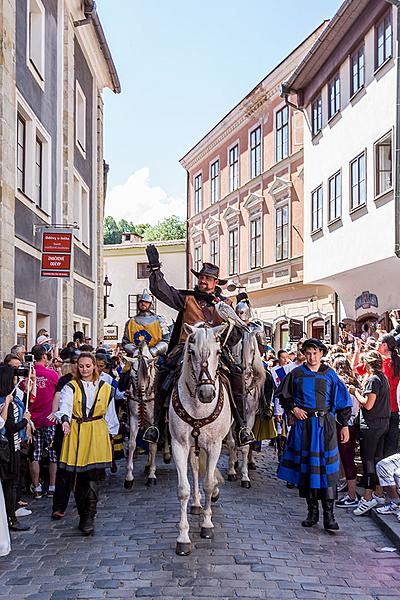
237, 407
312, 514
330, 523
87, 506
152, 433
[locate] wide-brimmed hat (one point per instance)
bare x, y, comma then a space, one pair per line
314, 343
210, 270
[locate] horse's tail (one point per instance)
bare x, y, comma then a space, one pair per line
203, 467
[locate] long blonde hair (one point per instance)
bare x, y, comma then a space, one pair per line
95, 375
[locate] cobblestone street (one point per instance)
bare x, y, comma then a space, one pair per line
260, 549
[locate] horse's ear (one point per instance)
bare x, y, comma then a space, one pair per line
219, 329
188, 328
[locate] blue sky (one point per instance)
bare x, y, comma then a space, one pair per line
183, 65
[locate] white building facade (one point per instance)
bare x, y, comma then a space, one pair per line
125, 267
346, 87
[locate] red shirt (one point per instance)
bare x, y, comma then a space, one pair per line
40, 408
393, 381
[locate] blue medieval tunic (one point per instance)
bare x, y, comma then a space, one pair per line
311, 458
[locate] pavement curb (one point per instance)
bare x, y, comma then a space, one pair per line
389, 525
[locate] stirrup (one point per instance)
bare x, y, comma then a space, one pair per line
245, 437
151, 435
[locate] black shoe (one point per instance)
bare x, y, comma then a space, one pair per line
151, 435
86, 525
17, 526
245, 437
312, 517
113, 467
330, 523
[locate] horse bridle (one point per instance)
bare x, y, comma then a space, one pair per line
134, 378
204, 370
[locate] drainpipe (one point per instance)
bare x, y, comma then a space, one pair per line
396, 3
187, 228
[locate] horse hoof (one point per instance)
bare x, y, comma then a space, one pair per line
128, 485
195, 510
146, 470
215, 498
151, 481
207, 533
245, 484
236, 465
167, 459
183, 549
251, 466
232, 477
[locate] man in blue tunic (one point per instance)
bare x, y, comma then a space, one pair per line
313, 395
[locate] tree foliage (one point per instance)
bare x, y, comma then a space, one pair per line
170, 228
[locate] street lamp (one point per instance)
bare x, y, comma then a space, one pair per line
107, 291
232, 286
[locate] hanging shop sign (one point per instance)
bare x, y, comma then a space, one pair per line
366, 300
56, 253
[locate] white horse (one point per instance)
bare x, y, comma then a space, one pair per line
246, 354
140, 397
199, 417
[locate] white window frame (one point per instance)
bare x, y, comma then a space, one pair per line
34, 129
30, 308
214, 239
251, 131
36, 62
217, 182
198, 201
255, 217
81, 213
235, 226
197, 246
285, 203
336, 217
230, 186
377, 191
318, 225
80, 119
354, 160
80, 321
276, 111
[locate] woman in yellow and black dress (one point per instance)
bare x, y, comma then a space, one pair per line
87, 414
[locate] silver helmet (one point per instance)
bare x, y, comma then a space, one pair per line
145, 296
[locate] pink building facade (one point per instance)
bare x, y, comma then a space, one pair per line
246, 209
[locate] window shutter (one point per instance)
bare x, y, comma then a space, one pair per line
295, 330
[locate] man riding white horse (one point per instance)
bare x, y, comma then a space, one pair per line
147, 327
194, 306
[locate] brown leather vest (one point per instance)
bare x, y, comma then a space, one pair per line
193, 313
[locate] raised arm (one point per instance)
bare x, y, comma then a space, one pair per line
158, 286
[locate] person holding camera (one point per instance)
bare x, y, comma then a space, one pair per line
5, 544
17, 420
41, 407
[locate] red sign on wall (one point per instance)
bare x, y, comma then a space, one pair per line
56, 253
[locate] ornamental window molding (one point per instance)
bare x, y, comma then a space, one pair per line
231, 216
280, 188
196, 233
212, 223
253, 204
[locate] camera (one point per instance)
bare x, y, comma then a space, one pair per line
28, 357
22, 371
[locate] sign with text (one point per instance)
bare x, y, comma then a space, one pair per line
366, 300
110, 332
56, 253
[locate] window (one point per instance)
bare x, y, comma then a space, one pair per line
334, 96
335, 196
21, 152
233, 251
255, 152
357, 63
383, 40
38, 171
198, 200
234, 168
357, 182
36, 38
282, 233
215, 181
33, 160
81, 211
316, 110
316, 205
197, 258
142, 271
255, 243
80, 119
383, 165
214, 251
282, 134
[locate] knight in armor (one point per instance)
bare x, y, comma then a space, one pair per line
194, 306
147, 327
